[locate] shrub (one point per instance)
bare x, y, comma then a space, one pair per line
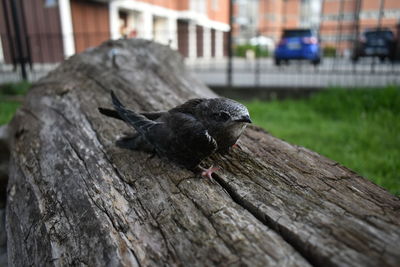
259, 51
329, 51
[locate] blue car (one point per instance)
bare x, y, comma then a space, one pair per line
298, 44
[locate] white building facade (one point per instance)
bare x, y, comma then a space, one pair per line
190, 30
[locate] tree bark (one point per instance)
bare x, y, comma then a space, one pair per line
74, 198
4, 159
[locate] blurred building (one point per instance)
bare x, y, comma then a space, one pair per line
38, 37
46, 31
195, 27
342, 21
265, 18
276, 15
310, 13
245, 20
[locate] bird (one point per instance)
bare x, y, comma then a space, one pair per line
186, 134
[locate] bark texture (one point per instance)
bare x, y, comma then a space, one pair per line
74, 198
4, 159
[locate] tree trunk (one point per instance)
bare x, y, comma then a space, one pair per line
74, 198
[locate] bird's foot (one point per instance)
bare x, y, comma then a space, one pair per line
152, 155
236, 146
207, 173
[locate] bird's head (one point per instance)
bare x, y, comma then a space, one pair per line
224, 112
224, 119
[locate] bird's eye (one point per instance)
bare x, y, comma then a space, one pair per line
223, 116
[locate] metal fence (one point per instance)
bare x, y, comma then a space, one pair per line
28, 52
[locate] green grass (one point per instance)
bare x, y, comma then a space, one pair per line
12, 89
7, 110
358, 128
8, 104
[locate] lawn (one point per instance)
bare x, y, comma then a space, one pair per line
8, 102
7, 110
358, 128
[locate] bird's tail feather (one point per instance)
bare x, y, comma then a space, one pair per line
137, 121
110, 113
135, 142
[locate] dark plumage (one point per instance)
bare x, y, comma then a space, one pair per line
186, 134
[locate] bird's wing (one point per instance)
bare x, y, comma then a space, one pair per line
137, 121
114, 114
153, 115
110, 113
188, 107
179, 137
184, 139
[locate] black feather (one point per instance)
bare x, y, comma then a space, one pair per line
137, 121
114, 114
110, 113
189, 106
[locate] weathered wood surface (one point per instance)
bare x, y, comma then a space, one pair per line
76, 199
4, 159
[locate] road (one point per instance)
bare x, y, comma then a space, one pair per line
331, 72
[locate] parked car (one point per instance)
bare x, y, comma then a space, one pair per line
375, 43
298, 44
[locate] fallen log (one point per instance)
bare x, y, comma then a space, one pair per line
74, 198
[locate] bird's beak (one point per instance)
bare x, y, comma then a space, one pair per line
245, 118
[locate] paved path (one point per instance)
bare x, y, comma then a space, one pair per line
298, 74
250, 73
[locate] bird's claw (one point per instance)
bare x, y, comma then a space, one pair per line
236, 146
207, 173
